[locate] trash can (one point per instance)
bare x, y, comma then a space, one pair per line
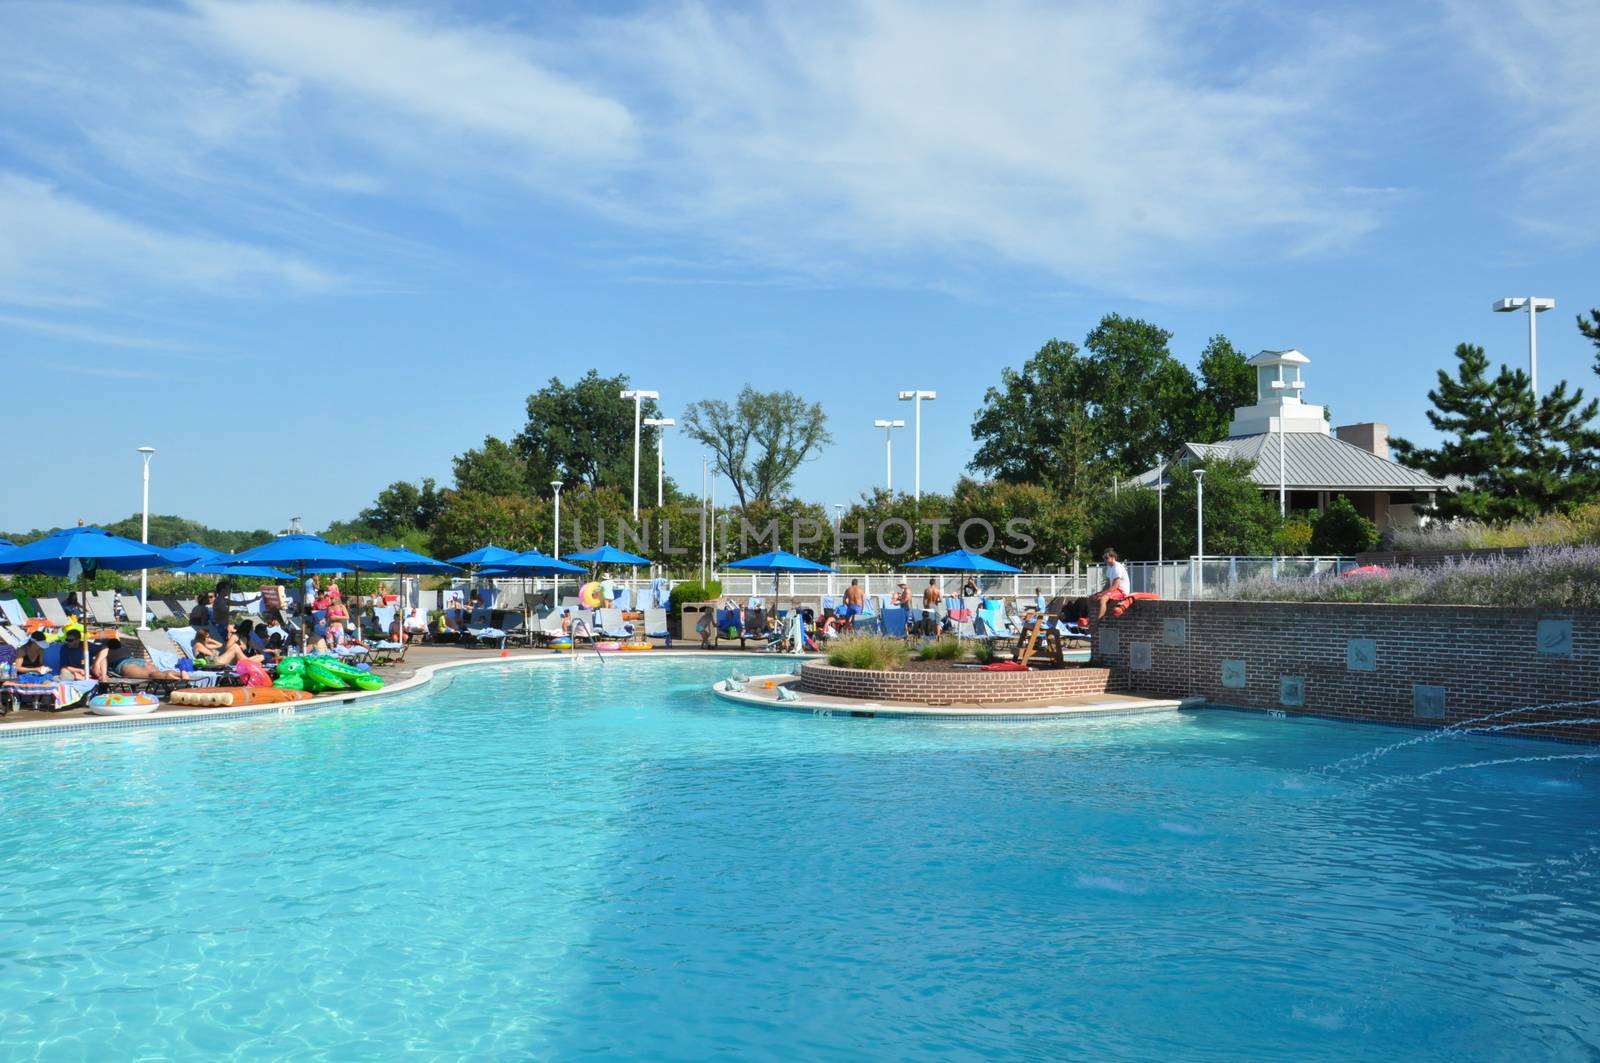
690, 619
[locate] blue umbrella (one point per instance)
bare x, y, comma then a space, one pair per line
192, 551
961, 561
301, 552
5, 543
778, 561
217, 567
609, 555
484, 555
73, 552
531, 563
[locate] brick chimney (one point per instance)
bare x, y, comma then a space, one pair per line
1370, 436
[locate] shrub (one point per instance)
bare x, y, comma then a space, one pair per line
1339, 529
694, 591
985, 652
1559, 577
943, 649
876, 652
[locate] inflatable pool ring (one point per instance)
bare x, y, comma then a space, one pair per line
122, 704
561, 644
320, 678
225, 697
589, 596
608, 647
291, 674
348, 675
637, 647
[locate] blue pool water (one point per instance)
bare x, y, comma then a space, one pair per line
606, 862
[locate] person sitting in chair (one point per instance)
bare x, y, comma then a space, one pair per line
30, 659
1117, 586
74, 664
115, 659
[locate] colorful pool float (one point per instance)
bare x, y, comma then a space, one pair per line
325, 673
225, 697
122, 704
589, 596
608, 647
636, 647
561, 644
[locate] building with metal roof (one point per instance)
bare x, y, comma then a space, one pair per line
1293, 452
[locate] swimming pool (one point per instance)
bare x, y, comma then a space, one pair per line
532, 862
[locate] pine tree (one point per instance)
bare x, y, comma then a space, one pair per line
1591, 329
1519, 458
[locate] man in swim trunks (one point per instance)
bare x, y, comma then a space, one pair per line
855, 599
931, 597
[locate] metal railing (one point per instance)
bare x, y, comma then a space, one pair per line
818, 584
1179, 579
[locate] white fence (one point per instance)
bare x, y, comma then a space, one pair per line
815, 585
1178, 579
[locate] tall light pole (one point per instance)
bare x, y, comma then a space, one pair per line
662, 423
1200, 530
638, 398
888, 451
1535, 305
555, 578
144, 537
915, 398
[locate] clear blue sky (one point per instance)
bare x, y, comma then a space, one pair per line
306, 249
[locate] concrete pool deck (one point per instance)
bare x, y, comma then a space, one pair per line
423, 662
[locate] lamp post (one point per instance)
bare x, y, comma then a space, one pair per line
1200, 530
888, 450
555, 580
1535, 305
144, 537
638, 398
662, 423
915, 398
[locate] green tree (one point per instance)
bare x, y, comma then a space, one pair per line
1339, 529
759, 441
403, 507
1226, 383
1591, 331
1519, 458
469, 520
496, 468
1072, 419
583, 434
1127, 522
1239, 519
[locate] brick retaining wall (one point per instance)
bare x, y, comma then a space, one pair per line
1430, 664
961, 687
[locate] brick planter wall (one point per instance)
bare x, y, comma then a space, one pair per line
962, 687
1430, 664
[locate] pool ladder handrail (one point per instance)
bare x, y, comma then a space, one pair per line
572, 630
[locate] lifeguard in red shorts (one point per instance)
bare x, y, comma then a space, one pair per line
1116, 588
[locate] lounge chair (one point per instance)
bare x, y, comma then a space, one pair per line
655, 624
101, 607
129, 603
12, 611
893, 621
160, 609
50, 608
12, 636
547, 627
611, 624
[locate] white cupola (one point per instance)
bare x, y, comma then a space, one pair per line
1278, 406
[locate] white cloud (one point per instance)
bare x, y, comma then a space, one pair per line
56, 243
1542, 68
85, 333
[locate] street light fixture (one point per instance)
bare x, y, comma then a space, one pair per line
555, 578
662, 423
638, 398
1535, 305
144, 537
915, 398
888, 451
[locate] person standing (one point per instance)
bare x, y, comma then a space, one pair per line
931, 597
